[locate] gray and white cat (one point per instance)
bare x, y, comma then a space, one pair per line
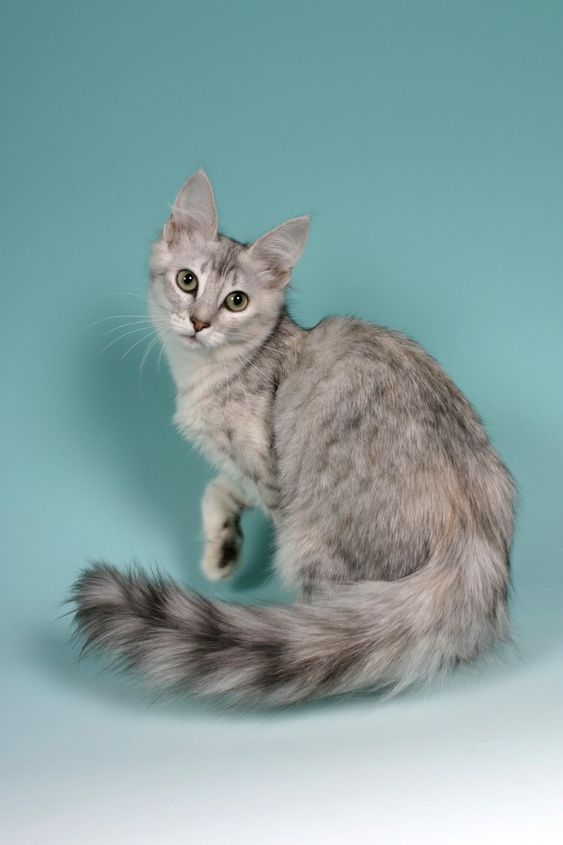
393, 514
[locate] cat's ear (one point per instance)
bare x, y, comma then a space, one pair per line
280, 249
194, 208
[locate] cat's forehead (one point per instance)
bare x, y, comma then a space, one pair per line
222, 256
215, 258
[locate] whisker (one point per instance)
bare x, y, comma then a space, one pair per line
147, 350
137, 343
167, 334
144, 359
114, 317
121, 336
142, 323
161, 321
164, 308
159, 359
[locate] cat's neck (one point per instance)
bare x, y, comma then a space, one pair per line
273, 349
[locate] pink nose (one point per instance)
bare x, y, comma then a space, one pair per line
199, 325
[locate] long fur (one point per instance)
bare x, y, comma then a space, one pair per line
393, 514
368, 635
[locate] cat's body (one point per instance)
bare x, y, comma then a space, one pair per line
393, 514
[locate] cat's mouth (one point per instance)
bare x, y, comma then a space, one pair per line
196, 341
192, 340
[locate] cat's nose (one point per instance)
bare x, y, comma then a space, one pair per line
199, 324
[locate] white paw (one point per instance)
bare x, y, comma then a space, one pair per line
222, 553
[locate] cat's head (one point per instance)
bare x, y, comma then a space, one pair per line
208, 290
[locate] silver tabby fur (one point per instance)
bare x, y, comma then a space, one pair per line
393, 514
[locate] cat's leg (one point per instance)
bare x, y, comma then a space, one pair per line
222, 505
307, 561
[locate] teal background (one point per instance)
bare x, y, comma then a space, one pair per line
426, 139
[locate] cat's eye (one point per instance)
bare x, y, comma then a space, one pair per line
236, 301
186, 281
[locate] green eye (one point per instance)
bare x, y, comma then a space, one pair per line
236, 301
186, 280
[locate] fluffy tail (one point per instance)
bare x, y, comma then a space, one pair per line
367, 635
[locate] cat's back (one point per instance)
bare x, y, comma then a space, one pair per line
349, 340
353, 375
352, 353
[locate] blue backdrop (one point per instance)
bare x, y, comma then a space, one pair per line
426, 139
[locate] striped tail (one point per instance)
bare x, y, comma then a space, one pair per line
367, 635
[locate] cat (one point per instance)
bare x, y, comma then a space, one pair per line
393, 514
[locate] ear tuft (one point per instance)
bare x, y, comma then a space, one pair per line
194, 207
281, 248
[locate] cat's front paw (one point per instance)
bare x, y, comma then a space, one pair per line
221, 555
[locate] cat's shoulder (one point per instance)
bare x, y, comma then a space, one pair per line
352, 337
